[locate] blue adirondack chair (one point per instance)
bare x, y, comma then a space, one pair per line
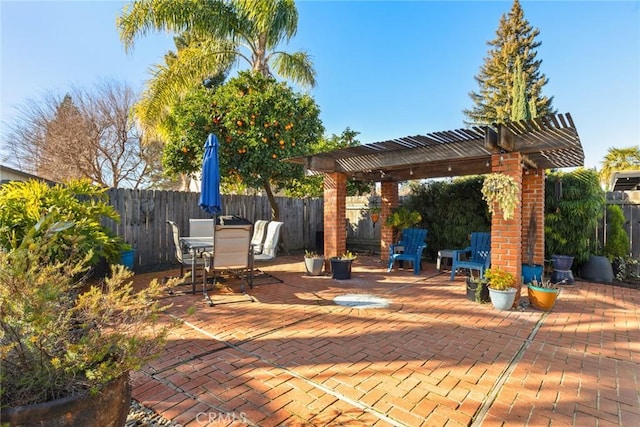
478, 255
412, 245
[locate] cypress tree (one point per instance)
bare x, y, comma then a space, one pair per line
494, 100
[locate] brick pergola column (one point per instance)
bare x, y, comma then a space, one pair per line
506, 235
533, 198
389, 201
335, 214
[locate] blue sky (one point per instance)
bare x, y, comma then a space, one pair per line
386, 69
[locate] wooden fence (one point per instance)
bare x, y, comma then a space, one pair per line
144, 215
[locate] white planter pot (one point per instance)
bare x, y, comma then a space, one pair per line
503, 300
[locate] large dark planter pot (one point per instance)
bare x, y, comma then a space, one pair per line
109, 408
314, 266
529, 272
477, 296
597, 269
341, 268
562, 269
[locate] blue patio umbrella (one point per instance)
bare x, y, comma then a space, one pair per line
210, 200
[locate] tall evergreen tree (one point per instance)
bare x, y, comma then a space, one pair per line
494, 101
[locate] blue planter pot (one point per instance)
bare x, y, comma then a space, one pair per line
127, 257
562, 273
529, 272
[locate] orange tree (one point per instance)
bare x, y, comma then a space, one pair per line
258, 122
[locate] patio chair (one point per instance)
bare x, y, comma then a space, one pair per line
231, 253
269, 248
409, 248
259, 234
200, 227
478, 255
183, 257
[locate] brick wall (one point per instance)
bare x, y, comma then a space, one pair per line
506, 235
335, 233
389, 200
533, 201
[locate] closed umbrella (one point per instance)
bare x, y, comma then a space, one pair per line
210, 200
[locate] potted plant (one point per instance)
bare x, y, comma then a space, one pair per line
502, 190
374, 214
542, 294
477, 288
341, 266
68, 343
530, 270
400, 219
562, 269
502, 290
313, 262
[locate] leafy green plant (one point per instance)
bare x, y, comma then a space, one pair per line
617, 245
402, 218
543, 283
80, 202
348, 256
574, 203
312, 254
502, 190
450, 210
499, 279
480, 282
60, 334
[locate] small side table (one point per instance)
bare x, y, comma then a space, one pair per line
444, 254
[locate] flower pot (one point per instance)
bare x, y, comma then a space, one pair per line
529, 272
108, 408
597, 269
542, 298
314, 266
562, 262
341, 268
126, 258
502, 300
477, 296
562, 269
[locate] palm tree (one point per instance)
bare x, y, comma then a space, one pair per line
619, 159
217, 34
193, 64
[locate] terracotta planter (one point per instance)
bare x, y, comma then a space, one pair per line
542, 298
109, 408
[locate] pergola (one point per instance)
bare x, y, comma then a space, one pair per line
521, 149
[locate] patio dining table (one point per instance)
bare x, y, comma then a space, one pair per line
196, 245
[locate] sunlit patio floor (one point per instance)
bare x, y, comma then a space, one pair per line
293, 357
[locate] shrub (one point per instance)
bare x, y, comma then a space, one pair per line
617, 245
79, 202
59, 334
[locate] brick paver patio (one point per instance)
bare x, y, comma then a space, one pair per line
431, 358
